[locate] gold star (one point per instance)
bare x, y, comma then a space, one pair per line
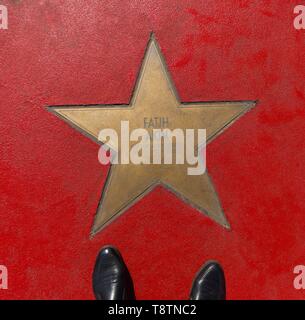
154, 96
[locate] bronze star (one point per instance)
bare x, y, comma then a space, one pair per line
154, 96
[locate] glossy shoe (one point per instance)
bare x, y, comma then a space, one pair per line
209, 283
111, 278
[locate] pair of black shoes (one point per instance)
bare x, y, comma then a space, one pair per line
112, 280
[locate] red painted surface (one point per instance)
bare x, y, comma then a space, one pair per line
84, 52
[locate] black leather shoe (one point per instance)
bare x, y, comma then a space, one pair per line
111, 278
209, 283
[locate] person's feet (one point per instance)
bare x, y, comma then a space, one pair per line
209, 284
111, 278
112, 281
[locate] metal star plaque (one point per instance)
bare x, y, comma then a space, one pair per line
154, 97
